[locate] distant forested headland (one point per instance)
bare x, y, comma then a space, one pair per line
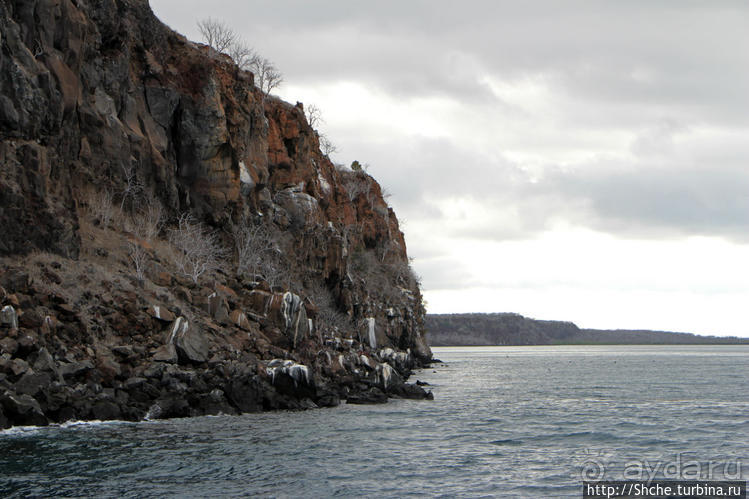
514, 329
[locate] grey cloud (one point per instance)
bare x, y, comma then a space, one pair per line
652, 196
660, 203
669, 54
653, 70
664, 201
446, 273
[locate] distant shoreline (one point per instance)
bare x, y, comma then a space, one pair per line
507, 329
596, 345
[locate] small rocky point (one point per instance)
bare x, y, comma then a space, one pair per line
103, 108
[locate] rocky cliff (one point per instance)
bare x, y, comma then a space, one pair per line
114, 130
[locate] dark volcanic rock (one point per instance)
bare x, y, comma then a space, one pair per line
246, 393
166, 353
329, 400
106, 410
22, 409
410, 391
32, 383
372, 396
100, 102
191, 346
8, 345
172, 405
73, 370
4, 422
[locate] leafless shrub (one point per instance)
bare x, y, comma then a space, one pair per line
223, 38
326, 146
217, 34
243, 55
354, 184
254, 246
138, 257
351, 233
381, 210
387, 280
403, 274
149, 220
267, 76
330, 321
313, 115
276, 273
133, 186
101, 206
198, 250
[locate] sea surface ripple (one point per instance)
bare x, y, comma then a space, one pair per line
505, 422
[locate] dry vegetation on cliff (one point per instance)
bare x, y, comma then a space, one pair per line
175, 242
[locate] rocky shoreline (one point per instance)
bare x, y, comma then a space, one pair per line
117, 135
176, 372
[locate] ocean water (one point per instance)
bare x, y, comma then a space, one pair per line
505, 422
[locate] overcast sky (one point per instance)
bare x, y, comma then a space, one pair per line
578, 160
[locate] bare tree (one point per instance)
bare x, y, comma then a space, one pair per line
276, 273
330, 321
313, 115
198, 250
101, 206
149, 220
243, 55
133, 186
224, 39
259, 254
138, 257
355, 184
267, 76
217, 34
326, 146
254, 245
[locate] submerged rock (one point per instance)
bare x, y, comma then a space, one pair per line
410, 391
372, 396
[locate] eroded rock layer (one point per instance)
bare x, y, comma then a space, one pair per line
102, 109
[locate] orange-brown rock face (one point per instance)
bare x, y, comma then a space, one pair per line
93, 94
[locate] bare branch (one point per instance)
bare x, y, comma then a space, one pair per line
243, 55
355, 184
133, 186
138, 256
326, 146
267, 76
254, 245
259, 254
197, 249
313, 115
149, 220
217, 34
101, 206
